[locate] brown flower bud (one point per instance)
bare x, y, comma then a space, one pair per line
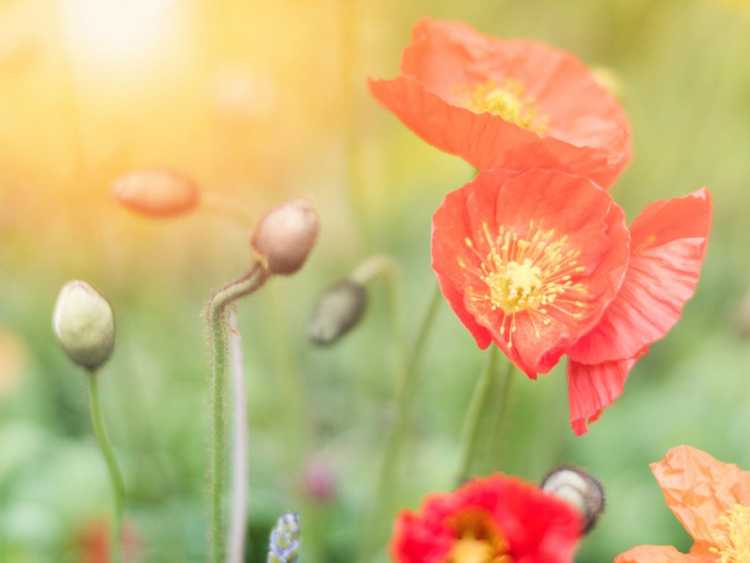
285, 236
578, 488
156, 193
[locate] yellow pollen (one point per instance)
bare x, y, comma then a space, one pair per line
507, 101
734, 545
527, 270
478, 541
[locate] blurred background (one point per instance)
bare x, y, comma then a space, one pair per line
260, 101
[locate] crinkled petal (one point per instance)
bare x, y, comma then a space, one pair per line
658, 554
592, 388
700, 489
668, 247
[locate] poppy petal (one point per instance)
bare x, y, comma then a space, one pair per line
658, 554
700, 490
668, 247
592, 388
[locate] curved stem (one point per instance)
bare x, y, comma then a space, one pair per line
118, 485
477, 406
240, 470
216, 317
226, 208
499, 421
407, 384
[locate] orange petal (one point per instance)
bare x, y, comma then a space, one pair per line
658, 554
591, 389
667, 250
699, 490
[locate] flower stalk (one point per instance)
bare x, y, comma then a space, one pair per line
217, 321
115, 476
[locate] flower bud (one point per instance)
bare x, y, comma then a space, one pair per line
284, 544
285, 236
576, 487
156, 193
338, 310
84, 325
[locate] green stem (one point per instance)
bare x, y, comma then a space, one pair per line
217, 320
407, 384
477, 407
499, 421
118, 485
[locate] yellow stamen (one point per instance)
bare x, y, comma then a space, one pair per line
479, 541
734, 545
507, 101
532, 271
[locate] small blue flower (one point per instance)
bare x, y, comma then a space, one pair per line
284, 544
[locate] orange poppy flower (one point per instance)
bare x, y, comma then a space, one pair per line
668, 245
499, 519
512, 103
542, 264
711, 500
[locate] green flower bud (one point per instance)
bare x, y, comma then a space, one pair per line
84, 325
338, 310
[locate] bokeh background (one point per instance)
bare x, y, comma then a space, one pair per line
260, 101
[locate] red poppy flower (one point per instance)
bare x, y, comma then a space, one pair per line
711, 500
511, 103
497, 519
542, 264
668, 245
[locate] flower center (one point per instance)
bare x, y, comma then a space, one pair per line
508, 102
479, 540
734, 545
529, 271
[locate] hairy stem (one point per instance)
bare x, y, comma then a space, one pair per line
115, 476
216, 317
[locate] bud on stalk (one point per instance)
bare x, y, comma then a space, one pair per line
285, 236
578, 488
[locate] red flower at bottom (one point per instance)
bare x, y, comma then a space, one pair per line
497, 519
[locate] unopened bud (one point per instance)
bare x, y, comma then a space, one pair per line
284, 544
576, 487
84, 325
338, 310
156, 193
285, 236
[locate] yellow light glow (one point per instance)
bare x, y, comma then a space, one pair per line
117, 32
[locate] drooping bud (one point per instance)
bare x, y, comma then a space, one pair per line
338, 310
285, 236
84, 325
156, 193
284, 544
578, 488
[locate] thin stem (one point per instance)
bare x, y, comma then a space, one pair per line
498, 423
240, 470
227, 208
216, 317
477, 407
118, 485
407, 384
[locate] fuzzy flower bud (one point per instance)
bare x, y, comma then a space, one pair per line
286, 235
284, 544
84, 325
578, 488
156, 193
338, 310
